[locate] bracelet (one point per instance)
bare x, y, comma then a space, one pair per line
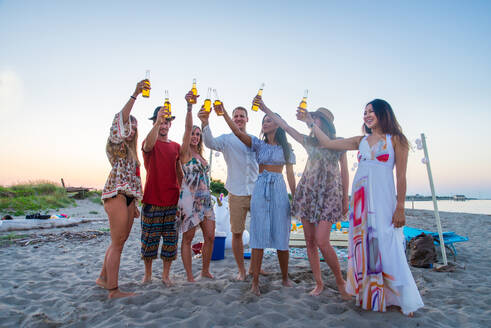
133, 97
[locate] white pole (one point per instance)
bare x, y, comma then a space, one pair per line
211, 157
435, 204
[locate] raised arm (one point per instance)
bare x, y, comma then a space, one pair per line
343, 163
290, 176
188, 127
401, 154
208, 139
278, 120
244, 137
153, 135
129, 104
324, 141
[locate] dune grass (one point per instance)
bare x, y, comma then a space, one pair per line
33, 197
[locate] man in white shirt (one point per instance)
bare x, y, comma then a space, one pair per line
242, 171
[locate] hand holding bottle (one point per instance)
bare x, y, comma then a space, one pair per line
258, 101
139, 88
304, 116
203, 115
191, 98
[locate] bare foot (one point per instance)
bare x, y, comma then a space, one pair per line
101, 282
255, 289
317, 290
146, 279
287, 283
116, 293
409, 315
207, 275
167, 282
241, 276
342, 290
190, 279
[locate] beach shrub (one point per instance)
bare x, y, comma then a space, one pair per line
217, 187
33, 197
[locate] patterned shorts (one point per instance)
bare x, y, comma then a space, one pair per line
157, 222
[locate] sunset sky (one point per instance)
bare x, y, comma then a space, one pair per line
66, 67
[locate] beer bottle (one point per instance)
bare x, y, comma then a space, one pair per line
195, 93
217, 105
167, 106
255, 106
207, 103
146, 92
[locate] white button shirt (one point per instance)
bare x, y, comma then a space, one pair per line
242, 167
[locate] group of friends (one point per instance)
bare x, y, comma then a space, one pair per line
177, 199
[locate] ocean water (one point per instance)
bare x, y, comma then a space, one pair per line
478, 206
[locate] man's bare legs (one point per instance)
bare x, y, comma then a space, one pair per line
187, 238
166, 272
238, 250
208, 229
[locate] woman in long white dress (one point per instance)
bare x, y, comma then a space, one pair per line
378, 272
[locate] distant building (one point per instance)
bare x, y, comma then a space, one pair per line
459, 197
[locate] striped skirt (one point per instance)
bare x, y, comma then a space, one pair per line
270, 212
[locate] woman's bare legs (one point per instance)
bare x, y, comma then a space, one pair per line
313, 255
283, 257
208, 229
256, 261
322, 239
133, 212
187, 238
120, 223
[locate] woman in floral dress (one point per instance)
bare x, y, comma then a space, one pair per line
195, 206
378, 272
321, 197
121, 191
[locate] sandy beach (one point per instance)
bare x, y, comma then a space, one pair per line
47, 280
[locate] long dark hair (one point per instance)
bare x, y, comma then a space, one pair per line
326, 126
280, 138
387, 120
200, 143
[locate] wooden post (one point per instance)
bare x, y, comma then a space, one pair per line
435, 204
62, 183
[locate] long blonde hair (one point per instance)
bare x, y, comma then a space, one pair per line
133, 144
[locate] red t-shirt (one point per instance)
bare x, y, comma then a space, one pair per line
161, 186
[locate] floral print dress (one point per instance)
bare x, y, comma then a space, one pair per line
319, 193
195, 197
124, 177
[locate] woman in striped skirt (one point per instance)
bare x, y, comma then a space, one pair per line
270, 206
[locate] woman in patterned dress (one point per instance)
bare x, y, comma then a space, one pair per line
121, 191
195, 206
378, 272
321, 197
270, 206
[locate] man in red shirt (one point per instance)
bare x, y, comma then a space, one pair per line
160, 196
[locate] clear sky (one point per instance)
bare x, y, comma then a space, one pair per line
66, 67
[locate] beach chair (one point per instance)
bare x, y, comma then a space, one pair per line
449, 238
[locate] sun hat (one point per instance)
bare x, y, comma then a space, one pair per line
326, 113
